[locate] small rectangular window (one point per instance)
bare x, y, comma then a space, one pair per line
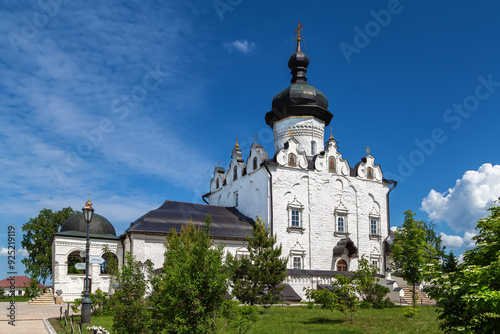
236, 199
295, 218
297, 262
375, 264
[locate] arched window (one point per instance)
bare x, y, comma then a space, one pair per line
74, 258
255, 163
340, 224
341, 265
331, 165
292, 160
217, 184
235, 173
313, 148
107, 258
369, 173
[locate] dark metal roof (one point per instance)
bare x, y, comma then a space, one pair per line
327, 286
288, 294
227, 222
75, 225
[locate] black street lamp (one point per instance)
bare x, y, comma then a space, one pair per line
88, 212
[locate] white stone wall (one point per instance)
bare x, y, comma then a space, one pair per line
151, 247
72, 285
319, 195
253, 194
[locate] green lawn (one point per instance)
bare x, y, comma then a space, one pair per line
304, 320
61, 328
16, 298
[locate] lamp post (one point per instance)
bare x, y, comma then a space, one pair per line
88, 212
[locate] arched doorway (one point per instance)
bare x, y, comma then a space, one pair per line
341, 265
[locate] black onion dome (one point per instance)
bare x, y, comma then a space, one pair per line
300, 98
98, 226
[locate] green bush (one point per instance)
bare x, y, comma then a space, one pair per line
410, 312
386, 303
366, 304
99, 301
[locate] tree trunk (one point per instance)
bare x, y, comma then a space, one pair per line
414, 295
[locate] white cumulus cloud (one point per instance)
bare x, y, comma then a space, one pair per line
468, 242
4, 251
461, 206
242, 46
452, 241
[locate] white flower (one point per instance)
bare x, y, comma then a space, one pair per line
99, 329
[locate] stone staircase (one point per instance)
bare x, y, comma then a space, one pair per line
422, 298
46, 298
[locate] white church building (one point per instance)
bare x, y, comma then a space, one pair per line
326, 213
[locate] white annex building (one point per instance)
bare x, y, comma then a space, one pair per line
325, 212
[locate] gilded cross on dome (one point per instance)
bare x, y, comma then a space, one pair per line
298, 31
368, 150
331, 133
236, 146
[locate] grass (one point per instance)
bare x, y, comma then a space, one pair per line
16, 298
61, 328
304, 320
300, 320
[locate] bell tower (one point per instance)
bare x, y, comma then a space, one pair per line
301, 110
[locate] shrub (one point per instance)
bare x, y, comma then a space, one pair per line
386, 303
366, 304
411, 312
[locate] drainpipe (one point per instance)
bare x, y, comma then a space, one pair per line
266, 163
123, 250
394, 184
130, 241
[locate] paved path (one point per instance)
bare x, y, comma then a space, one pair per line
28, 317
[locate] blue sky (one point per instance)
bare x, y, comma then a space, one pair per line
135, 102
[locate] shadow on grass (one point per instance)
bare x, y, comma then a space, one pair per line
322, 321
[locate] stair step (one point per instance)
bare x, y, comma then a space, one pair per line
422, 298
43, 299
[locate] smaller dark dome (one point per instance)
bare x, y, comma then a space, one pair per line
298, 63
300, 98
98, 226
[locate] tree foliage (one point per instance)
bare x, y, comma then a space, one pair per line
239, 317
411, 253
368, 284
31, 289
128, 302
350, 288
188, 295
343, 297
257, 279
469, 297
434, 240
36, 240
450, 263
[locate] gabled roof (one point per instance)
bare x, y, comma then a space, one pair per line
20, 282
227, 222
